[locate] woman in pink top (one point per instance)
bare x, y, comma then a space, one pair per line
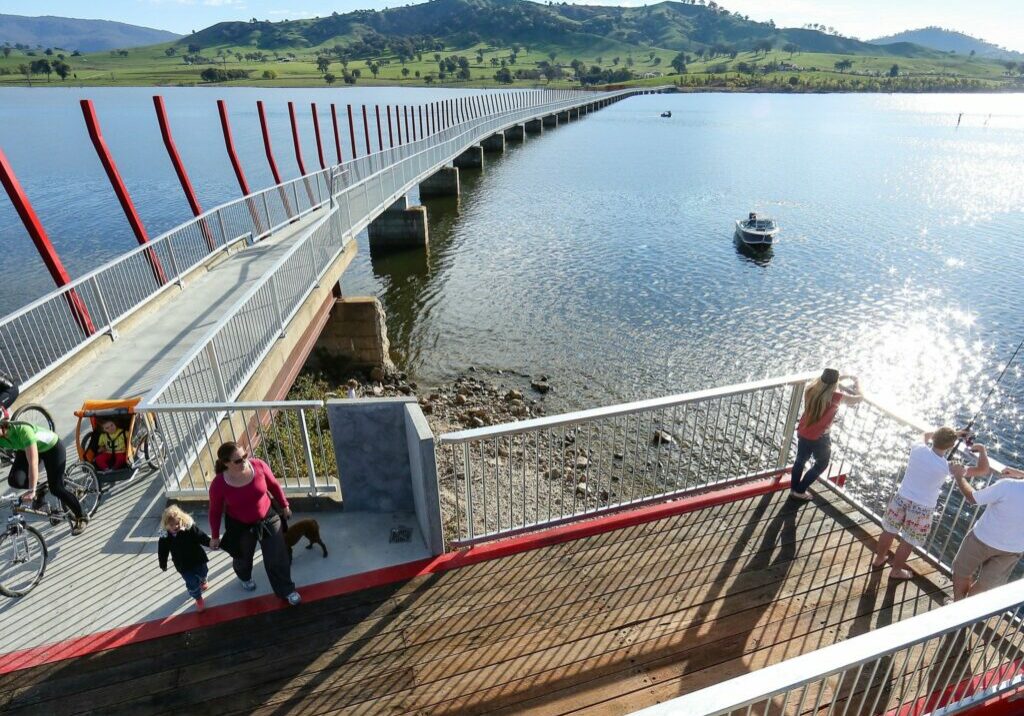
821, 401
241, 493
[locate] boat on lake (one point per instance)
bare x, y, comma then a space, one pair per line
666, 114
756, 231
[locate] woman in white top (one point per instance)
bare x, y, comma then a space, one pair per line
909, 513
993, 547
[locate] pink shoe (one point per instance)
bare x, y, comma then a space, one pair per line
200, 604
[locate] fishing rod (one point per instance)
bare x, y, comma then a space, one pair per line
967, 430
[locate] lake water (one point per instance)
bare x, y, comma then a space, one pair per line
602, 254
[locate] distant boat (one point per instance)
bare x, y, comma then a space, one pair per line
666, 114
756, 231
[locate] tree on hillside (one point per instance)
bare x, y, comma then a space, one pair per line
63, 69
552, 55
7, 51
615, 60
26, 70
323, 63
375, 68
679, 63
790, 47
503, 76
405, 72
329, 78
171, 51
194, 48
894, 71
843, 65
42, 67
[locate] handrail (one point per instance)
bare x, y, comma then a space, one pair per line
610, 411
787, 676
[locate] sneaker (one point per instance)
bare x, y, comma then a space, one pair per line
200, 604
249, 585
205, 585
294, 598
78, 527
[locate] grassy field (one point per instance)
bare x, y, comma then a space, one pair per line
150, 66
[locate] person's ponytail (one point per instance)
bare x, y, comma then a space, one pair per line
224, 453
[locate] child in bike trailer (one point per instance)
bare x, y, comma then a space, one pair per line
184, 541
112, 448
32, 445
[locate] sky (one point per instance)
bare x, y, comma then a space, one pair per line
998, 21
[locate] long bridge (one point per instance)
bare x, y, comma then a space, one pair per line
608, 560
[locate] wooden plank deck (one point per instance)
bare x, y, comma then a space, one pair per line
607, 624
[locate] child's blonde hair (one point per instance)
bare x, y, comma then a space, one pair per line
177, 515
352, 383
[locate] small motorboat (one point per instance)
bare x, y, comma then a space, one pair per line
666, 114
757, 231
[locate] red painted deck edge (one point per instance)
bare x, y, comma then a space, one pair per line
135, 633
1003, 703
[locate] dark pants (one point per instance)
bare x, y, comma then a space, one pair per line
821, 450
195, 578
270, 537
54, 461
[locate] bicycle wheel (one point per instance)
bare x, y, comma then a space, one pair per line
35, 414
80, 478
23, 558
151, 448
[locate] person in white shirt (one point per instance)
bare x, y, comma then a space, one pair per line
994, 546
909, 513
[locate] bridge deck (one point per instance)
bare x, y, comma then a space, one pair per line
607, 624
147, 351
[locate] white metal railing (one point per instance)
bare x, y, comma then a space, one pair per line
293, 437
221, 363
41, 336
940, 662
38, 338
535, 473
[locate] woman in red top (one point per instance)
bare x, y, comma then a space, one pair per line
821, 401
241, 493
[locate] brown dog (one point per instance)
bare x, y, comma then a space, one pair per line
308, 528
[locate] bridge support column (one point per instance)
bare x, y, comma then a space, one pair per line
564, 117
356, 334
472, 158
494, 144
551, 120
516, 133
534, 126
444, 182
399, 227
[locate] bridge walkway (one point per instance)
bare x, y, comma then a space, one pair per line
147, 350
606, 623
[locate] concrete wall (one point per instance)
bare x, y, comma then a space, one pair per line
385, 455
423, 473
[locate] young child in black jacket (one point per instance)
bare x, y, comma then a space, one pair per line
184, 541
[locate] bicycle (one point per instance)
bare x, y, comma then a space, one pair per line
23, 553
36, 415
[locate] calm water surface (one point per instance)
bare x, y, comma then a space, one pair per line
602, 254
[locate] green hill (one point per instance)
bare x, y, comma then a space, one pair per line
75, 34
469, 43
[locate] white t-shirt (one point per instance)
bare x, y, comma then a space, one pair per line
925, 474
1002, 525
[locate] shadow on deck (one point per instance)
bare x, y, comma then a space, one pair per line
612, 622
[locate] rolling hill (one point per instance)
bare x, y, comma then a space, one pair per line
937, 38
74, 34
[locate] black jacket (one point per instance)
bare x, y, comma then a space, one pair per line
185, 548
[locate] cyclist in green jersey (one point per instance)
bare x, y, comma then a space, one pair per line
33, 445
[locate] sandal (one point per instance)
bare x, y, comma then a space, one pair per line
883, 563
901, 574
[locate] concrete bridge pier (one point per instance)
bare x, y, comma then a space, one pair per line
551, 120
399, 227
563, 117
516, 133
494, 144
472, 158
443, 182
534, 126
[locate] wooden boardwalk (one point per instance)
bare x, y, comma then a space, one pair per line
606, 624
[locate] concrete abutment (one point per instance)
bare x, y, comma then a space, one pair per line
534, 126
494, 144
400, 227
472, 158
443, 182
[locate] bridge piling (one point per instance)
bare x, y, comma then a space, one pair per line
563, 117
472, 158
550, 120
494, 144
534, 126
443, 182
400, 227
516, 133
